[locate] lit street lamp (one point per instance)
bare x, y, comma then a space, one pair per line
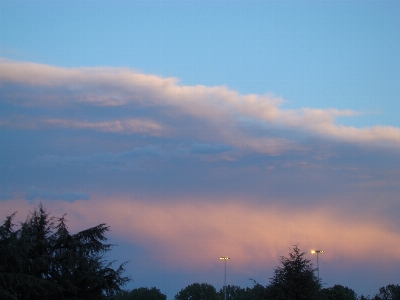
225, 259
318, 252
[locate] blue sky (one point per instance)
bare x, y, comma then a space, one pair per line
318, 54
207, 129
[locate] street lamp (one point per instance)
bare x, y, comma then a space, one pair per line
318, 252
225, 259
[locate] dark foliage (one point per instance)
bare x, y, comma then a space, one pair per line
142, 293
390, 292
338, 292
257, 292
234, 292
198, 291
42, 260
294, 279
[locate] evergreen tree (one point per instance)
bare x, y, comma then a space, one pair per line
42, 260
294, 279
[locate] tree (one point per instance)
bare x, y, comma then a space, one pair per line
390, 292
42, 260
338, 292
257, 292
295, 279
233, 292
197, 291
142, 293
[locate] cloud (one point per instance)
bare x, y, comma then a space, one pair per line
211, 115
117, 126
69, 196
190, 234
208, 149
132, 159
188, 173
123, 126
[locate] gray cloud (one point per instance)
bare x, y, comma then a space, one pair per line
208, 148
69, 196
96, 160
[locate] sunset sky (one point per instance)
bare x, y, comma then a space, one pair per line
200, 129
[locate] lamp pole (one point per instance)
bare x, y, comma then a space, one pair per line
318, 252
225, 259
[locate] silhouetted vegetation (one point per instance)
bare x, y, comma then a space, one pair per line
234, 292
142, 293
42, 260
338, 292
294, 279
390, 292
197, 291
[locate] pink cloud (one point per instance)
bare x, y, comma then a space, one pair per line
190, 235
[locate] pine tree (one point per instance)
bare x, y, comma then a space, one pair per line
42, 260
294, 279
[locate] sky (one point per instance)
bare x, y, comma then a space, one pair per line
201, 129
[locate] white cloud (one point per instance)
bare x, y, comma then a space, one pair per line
118, 126
215, 114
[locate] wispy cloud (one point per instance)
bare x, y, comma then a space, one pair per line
98, 161
117, 126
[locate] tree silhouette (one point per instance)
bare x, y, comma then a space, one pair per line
338, 292
390, 292
294, 279
42, 260
142, 293
198, 291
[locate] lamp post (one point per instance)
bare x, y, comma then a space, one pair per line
318, 252
225, 259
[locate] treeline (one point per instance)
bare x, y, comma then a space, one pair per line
43, 260
204, 291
